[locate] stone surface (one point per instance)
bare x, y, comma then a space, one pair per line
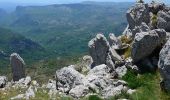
146, 42
164, 66
87, 60
164, 20
99, 49
79, 91
51, 84
114, 42
67, 78
138, 14
121, 71
30, 93
3, 81
17, 63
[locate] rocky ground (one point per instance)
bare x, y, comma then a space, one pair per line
106, 71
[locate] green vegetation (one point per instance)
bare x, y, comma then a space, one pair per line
140, 1
147, 86
126, 39
154, 20
64, 30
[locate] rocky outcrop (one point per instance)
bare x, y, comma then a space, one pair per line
138, 14
3, 81
99, 50
67, 78
164, 66
30, 93
156, 7
87, 61
22, 83
17, 64
163, 20
146, 42
114, 42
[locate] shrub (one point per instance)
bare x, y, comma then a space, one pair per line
132, 79
154, 20
140, 1
126, 39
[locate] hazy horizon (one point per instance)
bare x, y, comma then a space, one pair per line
10, 5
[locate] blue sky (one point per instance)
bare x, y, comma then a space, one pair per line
65, 1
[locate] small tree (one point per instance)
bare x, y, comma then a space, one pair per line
140, 1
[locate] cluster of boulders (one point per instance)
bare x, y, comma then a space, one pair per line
148, 33
149, 27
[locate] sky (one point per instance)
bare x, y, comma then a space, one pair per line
10, 5
65, 1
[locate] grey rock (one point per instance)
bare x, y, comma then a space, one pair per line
130, 91
18, 97
112, 91
127, 32
30, 93
156, 7
3, 81
164, 66
67, 78
99, 49
79, 91
51, 84
17, 63
114, 42
164, 20
146, 42
87, 60
138, 14
121, 71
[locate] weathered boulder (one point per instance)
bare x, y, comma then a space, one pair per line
51, 84
3, 81
87, 61
67, 78
163, 20
79, 91
30, 93
156, 7
17, 63
22, 83
146, 42
164, 66
138, 14
99, 49
114, 42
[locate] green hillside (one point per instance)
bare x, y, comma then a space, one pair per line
65, 29
12, 42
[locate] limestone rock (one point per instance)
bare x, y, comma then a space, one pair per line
138, 14
30, 93
164, 65
121, 71
146, 42
18, 97
114, 42
67, 78
99, 49
156, 7
164, 20
87, 61
17, 64
3, 81
79, 91
51, 84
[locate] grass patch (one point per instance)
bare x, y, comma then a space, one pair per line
147, 86
154, 20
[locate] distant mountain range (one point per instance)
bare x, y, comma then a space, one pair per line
65, 29
12, 42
